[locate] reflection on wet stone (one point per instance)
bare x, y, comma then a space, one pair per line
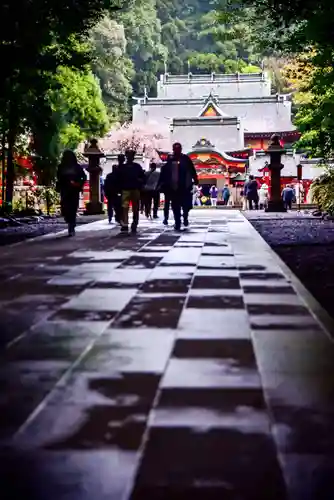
160, 312
81, 315
215, 302
284, 309
239, 352
191, 397
105, 426
216, 282
190, 459
261, 276
139, 262
166, 286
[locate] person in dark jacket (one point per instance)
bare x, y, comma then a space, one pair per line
151, 192
251, 190
176, 180
111, 191
70, 182
288, 196
130, 179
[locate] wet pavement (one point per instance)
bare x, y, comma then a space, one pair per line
161, 366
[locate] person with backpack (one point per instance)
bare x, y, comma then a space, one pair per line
70, 182
130, 179
251, 191
111, 192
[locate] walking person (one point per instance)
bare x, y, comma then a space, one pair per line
288, 195
177, 178
263, 196
196, 196
112, 192
214, 195
226, 193
252, 195
130, 179
150, 192
70, 182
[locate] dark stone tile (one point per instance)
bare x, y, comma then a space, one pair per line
141, 385
152, 249
261, 276
160, 312
166, 286
23, 386
303, 430
251, 267
284, 321
114, 284
215, 245
139, 262
48, 475
228, 459
279, 309
239, 352
269, 289
81, 315
226, 400
215, 302
179, 492
37, 348
309, 477
216, 282
12, 324
103, 427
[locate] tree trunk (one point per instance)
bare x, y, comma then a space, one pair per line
10, 176
3, 168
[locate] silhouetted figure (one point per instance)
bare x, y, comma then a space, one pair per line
288, 196
130, 179
176, 180
151, 193
226, 193
70, 182
112, 193
251, 192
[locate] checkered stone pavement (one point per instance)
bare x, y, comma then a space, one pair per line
162, 366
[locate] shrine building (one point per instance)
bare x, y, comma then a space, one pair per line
224, 123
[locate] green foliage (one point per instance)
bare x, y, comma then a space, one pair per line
77, 113
323, 191
36, 38
143, 38
113, 67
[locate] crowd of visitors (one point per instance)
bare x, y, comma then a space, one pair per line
129, 185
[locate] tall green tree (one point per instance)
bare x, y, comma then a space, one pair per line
113, 67
75, 112
143, 35
36, 38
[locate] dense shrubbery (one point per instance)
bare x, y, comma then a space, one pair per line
323, 191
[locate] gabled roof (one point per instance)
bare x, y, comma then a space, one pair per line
211, 108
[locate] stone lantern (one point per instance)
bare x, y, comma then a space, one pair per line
94, 155
275, 151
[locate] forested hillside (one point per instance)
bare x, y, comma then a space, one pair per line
134, 46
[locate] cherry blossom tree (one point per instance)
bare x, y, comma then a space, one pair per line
142, 138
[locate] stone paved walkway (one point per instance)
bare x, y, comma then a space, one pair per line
162, 366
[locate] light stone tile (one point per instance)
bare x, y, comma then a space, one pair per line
101, 299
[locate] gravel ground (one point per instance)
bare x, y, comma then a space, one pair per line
306, 245
23, 232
